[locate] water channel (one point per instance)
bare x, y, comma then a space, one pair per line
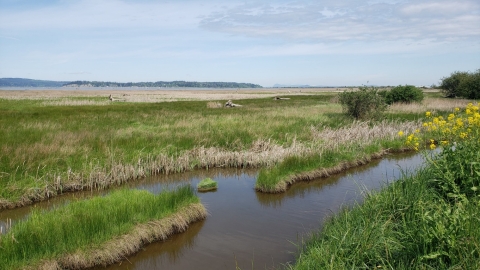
244, 228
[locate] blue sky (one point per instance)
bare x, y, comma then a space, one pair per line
331, 42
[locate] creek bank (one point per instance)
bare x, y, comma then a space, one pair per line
119, 248
310, 175
98, 231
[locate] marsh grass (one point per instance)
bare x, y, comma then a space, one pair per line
47, 150
207, 184
79, 234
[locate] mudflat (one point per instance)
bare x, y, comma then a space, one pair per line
141, 95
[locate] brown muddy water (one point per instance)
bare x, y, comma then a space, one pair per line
247, 229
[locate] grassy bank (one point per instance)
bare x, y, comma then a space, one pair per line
98, 231
424, 221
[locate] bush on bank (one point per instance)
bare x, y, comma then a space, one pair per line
425, 221
364, 104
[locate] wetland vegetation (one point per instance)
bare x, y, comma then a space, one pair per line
50, 148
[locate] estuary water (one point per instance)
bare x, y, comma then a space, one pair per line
245, 228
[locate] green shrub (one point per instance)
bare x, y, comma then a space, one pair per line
462, 84
405, 94
366, 103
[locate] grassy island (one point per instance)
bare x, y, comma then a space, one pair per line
98, 231
207, 184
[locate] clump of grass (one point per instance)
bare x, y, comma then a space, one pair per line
80, 234
207, 184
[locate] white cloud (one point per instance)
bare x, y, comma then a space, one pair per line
93, 14
332, 22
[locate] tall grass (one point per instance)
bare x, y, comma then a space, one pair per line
428, 220
83, 227
406, 226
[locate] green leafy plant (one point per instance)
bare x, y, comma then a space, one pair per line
366, 103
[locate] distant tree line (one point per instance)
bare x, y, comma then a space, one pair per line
462, 84
165, 84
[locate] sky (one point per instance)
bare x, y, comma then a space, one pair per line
266, 42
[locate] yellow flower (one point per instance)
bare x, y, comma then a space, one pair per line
428, 114
433, 146
444, 142
400, 133
457, 109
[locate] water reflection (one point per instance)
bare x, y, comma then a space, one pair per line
167, 252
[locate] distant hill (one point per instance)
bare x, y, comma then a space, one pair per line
163, 84
20, 82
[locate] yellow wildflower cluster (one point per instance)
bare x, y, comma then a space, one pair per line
458, 126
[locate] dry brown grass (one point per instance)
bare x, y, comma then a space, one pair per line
430, 104
118, 249
212, 104
69, 102
362, 132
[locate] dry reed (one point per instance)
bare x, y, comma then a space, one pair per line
430, 104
